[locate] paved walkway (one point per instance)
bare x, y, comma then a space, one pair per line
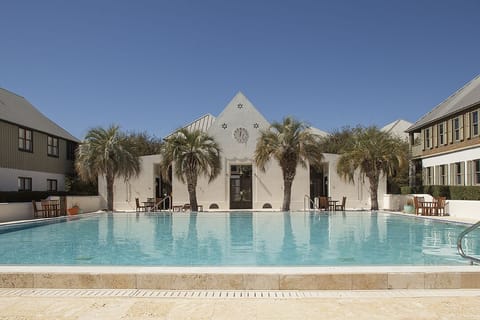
408, 304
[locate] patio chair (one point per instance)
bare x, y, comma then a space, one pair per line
36, 211
417, 201
441, 205
138, 207
323, 203
341, 207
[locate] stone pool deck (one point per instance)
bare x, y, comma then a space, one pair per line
358, 305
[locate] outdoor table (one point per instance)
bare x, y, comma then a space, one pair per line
332, 204
150, 205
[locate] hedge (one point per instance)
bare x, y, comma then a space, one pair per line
27, 196
451, 192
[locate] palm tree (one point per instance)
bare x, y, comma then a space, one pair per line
291, 144
107, 152
192, 153
374, 153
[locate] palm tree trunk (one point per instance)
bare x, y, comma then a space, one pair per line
110, 181
287, 193
373, 192
192, 192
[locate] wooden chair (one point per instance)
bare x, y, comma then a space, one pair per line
341, 207
418, 205
36, 211
323, 203
138, 207
441, 205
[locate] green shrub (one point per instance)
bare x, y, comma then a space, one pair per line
451, 192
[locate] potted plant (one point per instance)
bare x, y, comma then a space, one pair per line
408, 207
75, 209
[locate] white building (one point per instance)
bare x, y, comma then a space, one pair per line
241, 185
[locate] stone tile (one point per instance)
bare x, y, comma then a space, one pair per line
298, 282
149, 309
66, 280
261, 282
224, 281
334, 281
16, 280
233, 310
369, 281
406, 280
442, 280
171, 281
470, 280
118, 281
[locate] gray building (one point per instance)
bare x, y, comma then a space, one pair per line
35, 153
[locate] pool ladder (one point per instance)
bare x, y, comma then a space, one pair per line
307, 201
460, 240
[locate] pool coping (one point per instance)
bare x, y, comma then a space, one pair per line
241, 278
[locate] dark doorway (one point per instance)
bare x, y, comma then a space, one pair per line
163, 188
241, 187
317, 184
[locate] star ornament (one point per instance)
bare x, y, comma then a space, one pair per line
224, 126
255, 125
239, 106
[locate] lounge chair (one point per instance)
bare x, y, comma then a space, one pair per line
341, 207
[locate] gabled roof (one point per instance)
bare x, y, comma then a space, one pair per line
202, 124
16, 109
397, 128
464, 98
318, 132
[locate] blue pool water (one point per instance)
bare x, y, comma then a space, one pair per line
237, 238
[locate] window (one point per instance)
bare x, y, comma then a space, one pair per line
474, 118
52, 149
427, 138
25, 140
476, 172
456, 129
443, 175
441, 133
71, 146
458, 174
430, 176
52, 185
24, 184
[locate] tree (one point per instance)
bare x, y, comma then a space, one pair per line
107, 152
192, 154
374, 153
144, 143
291, 144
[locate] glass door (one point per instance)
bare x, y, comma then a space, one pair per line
241, 187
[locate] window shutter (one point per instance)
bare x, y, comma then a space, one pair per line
460, 123
462, 173
424, 175
423, 139
452, 174
467, 126
436, 181
435, 136
450, 131
469, 173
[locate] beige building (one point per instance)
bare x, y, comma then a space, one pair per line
241, 185
35, 152
445, 142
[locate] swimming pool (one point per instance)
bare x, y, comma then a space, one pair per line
236, 239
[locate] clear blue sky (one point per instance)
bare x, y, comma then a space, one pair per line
156, 65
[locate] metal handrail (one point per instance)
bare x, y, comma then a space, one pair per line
157, 205
460, 240
306, 197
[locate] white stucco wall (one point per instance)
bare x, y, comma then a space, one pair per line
9, 179
125, 192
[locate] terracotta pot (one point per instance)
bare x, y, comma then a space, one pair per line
73, 211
